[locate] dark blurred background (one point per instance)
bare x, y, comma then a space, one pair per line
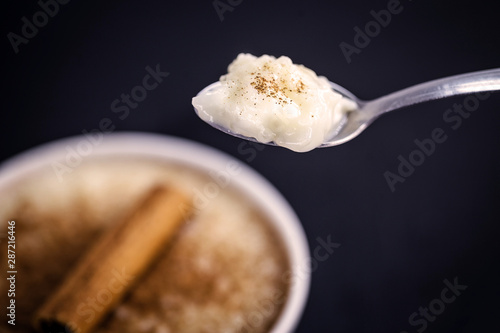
397, 247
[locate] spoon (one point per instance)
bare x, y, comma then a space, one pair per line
357, 120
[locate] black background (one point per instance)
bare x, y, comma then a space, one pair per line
396, 247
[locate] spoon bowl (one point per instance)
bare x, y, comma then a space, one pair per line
357, 120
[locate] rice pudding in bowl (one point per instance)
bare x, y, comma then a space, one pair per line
229, 268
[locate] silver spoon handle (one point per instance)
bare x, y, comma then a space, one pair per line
487, 80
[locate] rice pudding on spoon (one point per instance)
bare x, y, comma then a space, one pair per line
273, 100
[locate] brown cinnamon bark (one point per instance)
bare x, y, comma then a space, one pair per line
117, 260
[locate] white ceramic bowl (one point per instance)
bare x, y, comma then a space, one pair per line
138, 145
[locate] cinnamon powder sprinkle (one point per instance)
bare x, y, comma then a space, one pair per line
276, 88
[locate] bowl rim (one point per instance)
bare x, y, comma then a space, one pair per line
203, 157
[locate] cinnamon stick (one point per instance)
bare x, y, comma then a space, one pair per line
117, 260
